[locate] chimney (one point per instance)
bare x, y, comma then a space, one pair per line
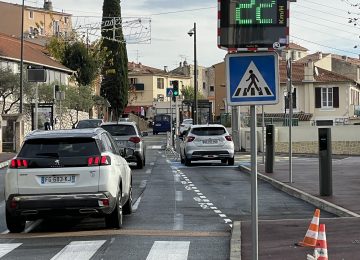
166, 68
48, 5
320, 55
344, 57
309, 71
180, 64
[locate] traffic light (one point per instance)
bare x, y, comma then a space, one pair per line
175, 84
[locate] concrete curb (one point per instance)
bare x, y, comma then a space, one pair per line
4, 164
235, 242
317, 202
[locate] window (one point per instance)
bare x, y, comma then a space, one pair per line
204, 85
133, 81
212, 88
120, 130
160, 83
160, 98
31, 15
327, 97
66, 20
204, 131
56, 27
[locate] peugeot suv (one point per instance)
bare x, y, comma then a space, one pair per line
68, 172
207, 142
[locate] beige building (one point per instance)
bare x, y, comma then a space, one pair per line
39, 23
148, 85
320, 97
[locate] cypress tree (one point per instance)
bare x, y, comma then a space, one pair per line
115, 85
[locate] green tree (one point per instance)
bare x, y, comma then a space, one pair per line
78, 99
188, 93
115, 83
10, 89
77, 58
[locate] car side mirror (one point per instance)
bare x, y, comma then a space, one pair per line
144, 134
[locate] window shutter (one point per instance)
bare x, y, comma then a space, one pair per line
336, 97
317, 97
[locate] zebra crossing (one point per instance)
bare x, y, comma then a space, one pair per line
84, 250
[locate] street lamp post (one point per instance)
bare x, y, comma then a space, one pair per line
195, 112
21, 59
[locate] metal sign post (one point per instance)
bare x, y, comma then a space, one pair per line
254, 193
290, 98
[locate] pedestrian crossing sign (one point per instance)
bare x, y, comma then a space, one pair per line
252, 78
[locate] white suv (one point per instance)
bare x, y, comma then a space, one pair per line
68, 172
207, 142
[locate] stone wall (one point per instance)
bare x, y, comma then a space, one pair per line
337, 147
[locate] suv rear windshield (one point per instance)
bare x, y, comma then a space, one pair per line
118, 130
204, 131
59, 147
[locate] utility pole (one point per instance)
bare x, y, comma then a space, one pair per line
22, 59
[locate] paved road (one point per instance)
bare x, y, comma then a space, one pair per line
184, 210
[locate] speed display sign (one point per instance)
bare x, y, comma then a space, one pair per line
253, 24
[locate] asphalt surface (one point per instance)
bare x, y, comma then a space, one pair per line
186, 211
342, 233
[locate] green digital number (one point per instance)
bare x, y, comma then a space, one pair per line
258, 7
239, 7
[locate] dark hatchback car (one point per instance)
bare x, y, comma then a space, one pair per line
89, 123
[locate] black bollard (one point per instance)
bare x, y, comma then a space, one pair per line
325, 162
270, 149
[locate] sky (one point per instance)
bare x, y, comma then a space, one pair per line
318, 25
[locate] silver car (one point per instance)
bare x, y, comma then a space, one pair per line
185, 125
207, 142
128, 135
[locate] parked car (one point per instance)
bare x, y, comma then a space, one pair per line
89, 123
207, 142
68, 172
127, 134
185, 125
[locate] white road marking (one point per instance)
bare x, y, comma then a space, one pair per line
210, 204
206, 200
176, 178
217, 211
136, 205
154, 147
165, 250
196, 190
178, 195
148, 171
7, 248
222, 215
79, 250
178, 222
203, 197
227, 220
199, 193
213, 207
152, 163
142, 184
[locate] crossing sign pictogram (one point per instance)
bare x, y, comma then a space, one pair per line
169, 92
252, 78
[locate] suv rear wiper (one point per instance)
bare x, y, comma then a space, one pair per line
52, 155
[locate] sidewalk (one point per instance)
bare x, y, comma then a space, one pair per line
5, 159
342, 233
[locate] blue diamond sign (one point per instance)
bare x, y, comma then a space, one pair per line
252, 78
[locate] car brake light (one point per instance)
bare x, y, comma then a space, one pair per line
135, 139
190, 139
18, 163
228, 137
99, 160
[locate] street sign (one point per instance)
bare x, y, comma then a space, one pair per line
252, 78
169, 92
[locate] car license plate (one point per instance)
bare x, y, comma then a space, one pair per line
58, 179
210, 141
157, 124
121, 143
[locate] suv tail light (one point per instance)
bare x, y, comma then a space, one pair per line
190, 139
135, 139
99, 160
228, 137
18, 163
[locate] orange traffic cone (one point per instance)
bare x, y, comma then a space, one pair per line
320, 251
312, 232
